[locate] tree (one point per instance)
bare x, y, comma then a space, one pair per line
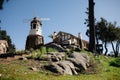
109, 33
115, 39
103, 32
92, 45
90, 23
1, 3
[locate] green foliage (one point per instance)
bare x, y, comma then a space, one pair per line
20, 52
38, 53
108, 32
115, 62
43, 50
51, 50
12, 49
77, 49
71, 50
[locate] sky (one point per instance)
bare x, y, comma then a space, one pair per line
56, 15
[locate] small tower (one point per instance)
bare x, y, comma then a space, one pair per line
36, 27
35, 38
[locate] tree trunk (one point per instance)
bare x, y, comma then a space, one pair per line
106, 49
92, 46
117, 46
1, 4
115, 51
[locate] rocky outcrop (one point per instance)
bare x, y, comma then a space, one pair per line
33, 41
62, 67
79, 60
73, 65
55, 46
56, 56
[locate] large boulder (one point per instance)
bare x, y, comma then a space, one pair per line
68, 67
80, 60
62, 67
76, 63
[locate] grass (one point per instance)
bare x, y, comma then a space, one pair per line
20, 70
38, 53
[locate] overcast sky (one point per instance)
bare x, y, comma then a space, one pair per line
57, 15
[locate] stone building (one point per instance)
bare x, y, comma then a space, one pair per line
35, 38
3, 46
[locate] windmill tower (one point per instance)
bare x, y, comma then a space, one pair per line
35, 38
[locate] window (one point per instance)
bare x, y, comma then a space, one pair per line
34, 26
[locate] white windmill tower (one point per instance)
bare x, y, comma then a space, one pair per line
35, 38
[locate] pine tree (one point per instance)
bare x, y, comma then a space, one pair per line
92, 45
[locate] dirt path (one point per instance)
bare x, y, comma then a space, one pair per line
6, 59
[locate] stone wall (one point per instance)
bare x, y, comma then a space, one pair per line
34, 41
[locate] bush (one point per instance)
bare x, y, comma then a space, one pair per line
115, 62
43, 50
20, 52
77, 50
51, 50
38, 53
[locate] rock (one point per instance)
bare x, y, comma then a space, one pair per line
56, 56
27, 52
80, 60
54, 59
63, 67
34, 69
57, 68
73, 65
68, 67
56, 46
0, 75
53, 67
23, 58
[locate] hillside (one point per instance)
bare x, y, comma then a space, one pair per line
11, 68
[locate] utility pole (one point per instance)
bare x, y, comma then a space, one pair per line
92, 45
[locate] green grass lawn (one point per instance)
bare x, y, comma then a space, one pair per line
20, 70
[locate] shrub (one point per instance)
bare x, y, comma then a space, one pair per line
51, 50
36, 54
115, 62
20, 52
77, 50
43, 50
